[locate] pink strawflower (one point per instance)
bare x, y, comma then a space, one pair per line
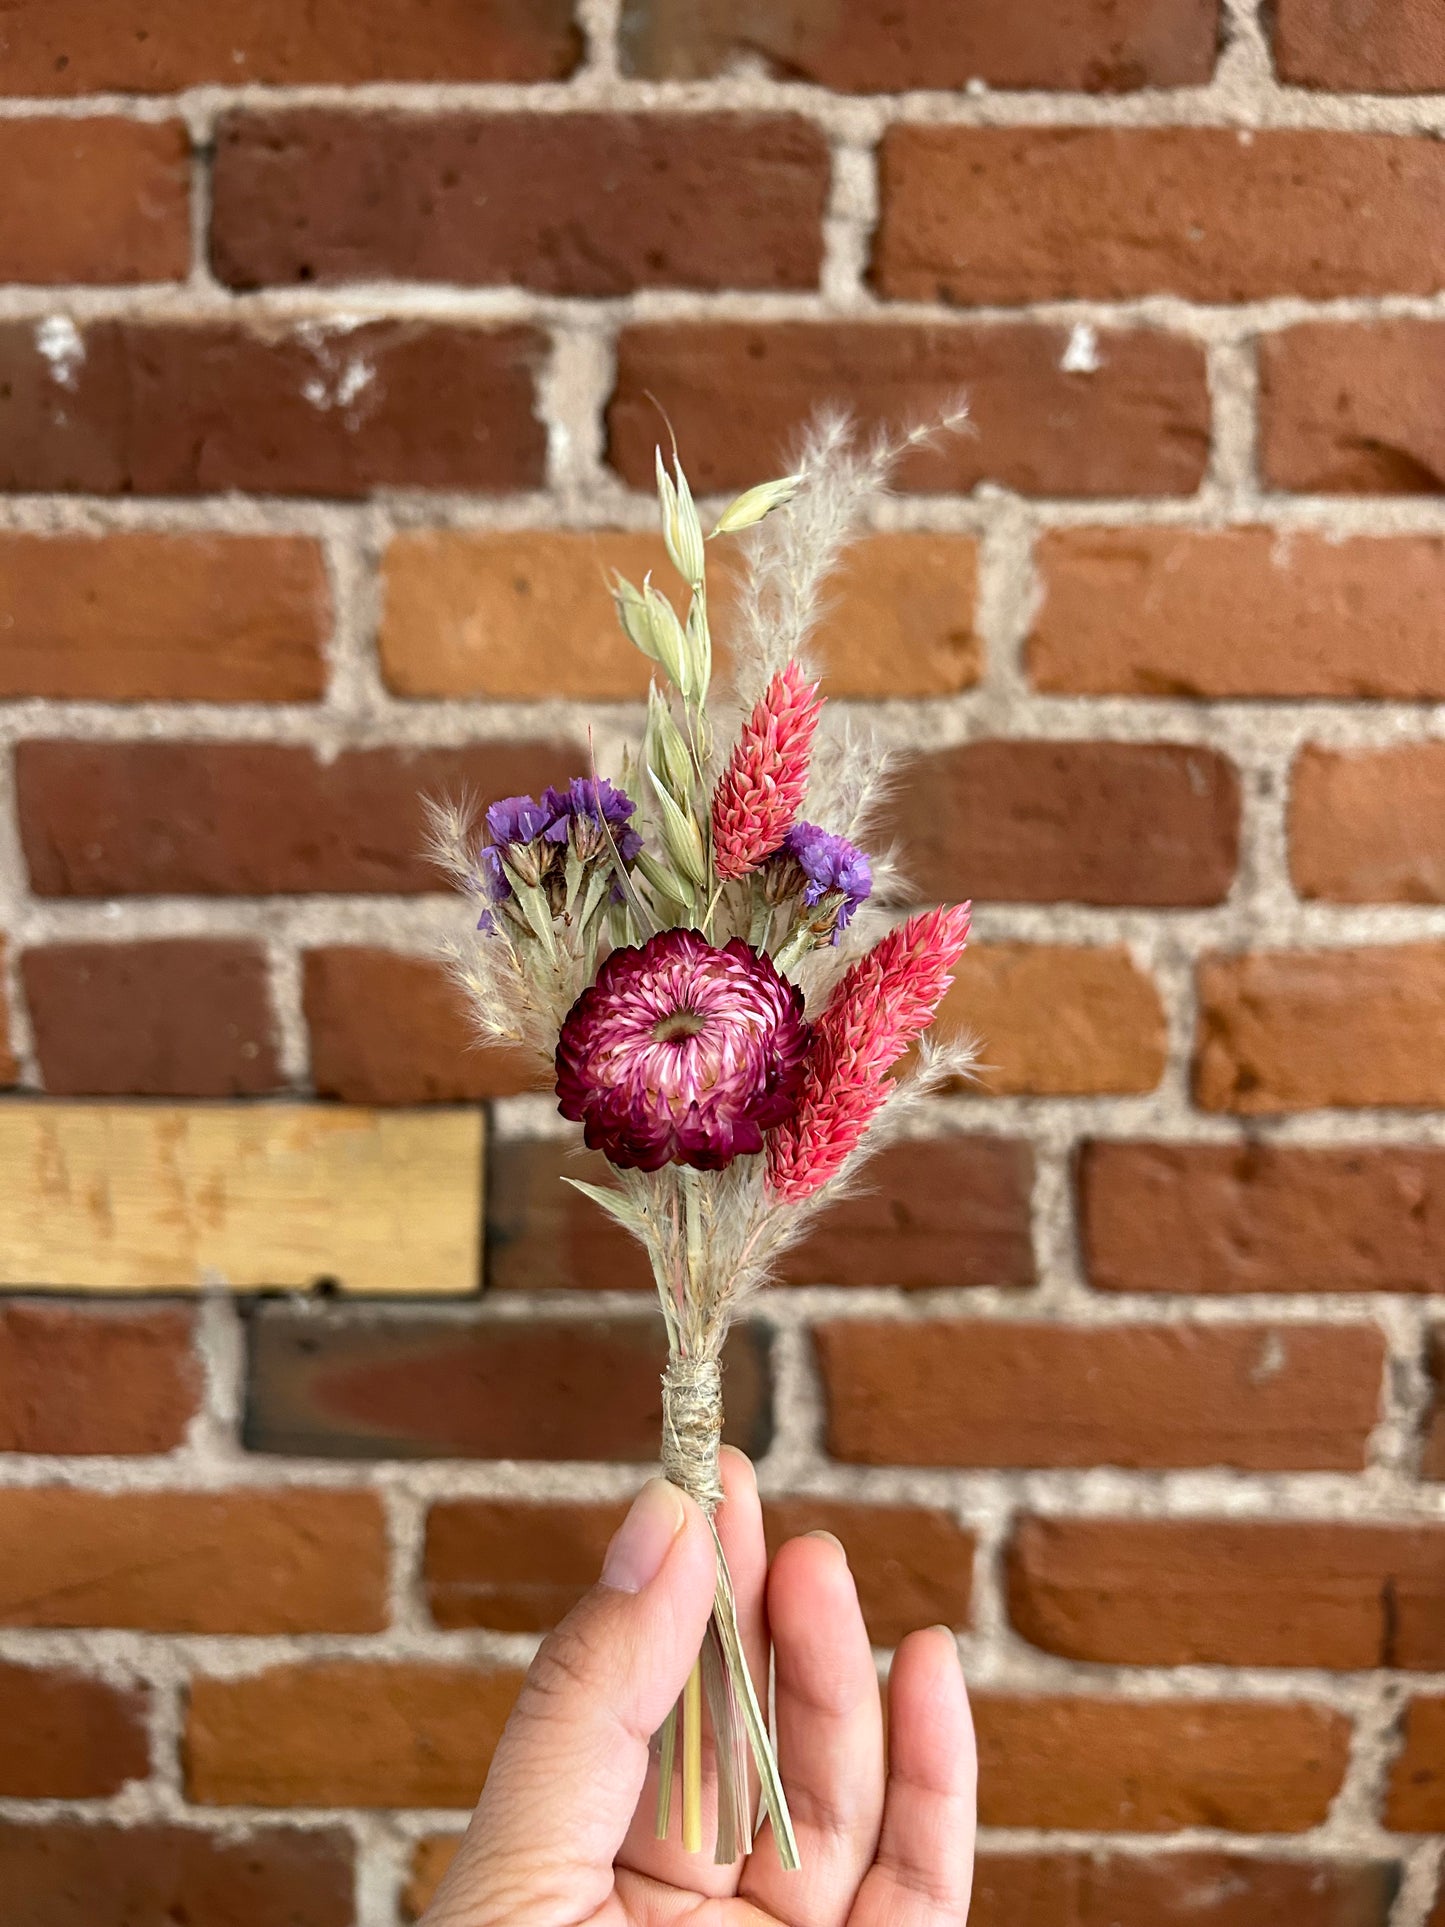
682, 1053
761, 791
883, 1003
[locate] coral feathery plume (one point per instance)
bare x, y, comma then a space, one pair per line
761, 791
882, 1004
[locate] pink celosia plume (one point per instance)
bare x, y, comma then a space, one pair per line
883, 1003
761, 791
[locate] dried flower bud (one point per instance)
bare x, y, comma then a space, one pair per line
683, 837
755, 503
681, 530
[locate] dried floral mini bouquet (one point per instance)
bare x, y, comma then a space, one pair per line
702, 953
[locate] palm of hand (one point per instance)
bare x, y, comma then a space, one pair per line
574, 1774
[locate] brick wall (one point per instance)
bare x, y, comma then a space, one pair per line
327, 365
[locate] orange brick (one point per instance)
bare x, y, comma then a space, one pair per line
1415, 1794
512, 1565
9, 1067
346, 1733
66, 1737
1349, 408
1293, 1030
1162, 1889
104, 199
913, 1566
429, 1861
1382, 47
1238, 612
138, 615
1058, 1020
193, 1562
95, 1378
1368, 825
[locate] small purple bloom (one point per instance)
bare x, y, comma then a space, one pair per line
593, 800
519, 819
832, 865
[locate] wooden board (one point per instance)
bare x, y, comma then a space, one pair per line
156, 1197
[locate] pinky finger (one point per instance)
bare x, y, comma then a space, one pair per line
922, 1875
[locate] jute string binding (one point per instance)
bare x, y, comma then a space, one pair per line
692, 1416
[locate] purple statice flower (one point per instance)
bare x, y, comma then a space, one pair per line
593, 799
682, 1053
832, 865
491, 883
519, 819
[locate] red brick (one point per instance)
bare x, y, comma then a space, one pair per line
139, 615
1432, 1455
966, 1393
65, 1737
193, 1562
1152, 1766
1291, 1030
1238, 612
1360, 46
346, 1733
96, 1378
933, 1212
1178, 1890
736, 394
912, 1566
544, 1236
9, 1067
1415, 1793
991, 215
391, 1029
510, 1564
161, 46
250, 819
613, 201
284, 408
463, 610
104, 199
70, 1873
855, 47
1057, 1019
1045, 822
1257, 1217
349, 1385
1187, 1592
1352, 408
176, 1017
1368, 825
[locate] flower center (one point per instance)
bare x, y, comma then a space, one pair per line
676, 1025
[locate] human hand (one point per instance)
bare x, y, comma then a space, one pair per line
563, 1833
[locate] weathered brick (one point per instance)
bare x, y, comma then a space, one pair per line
72, 1873
346, 1733
738, 392
913, 1566
1238, 612
142, 615
392, 1029
286, 408
614, 202
1043, 822
988, 215
1361, 46
342, 1386
464, 609
933, 1211
96, 1378
542, 1235
250, 819
75, 47
1257, 1217
1290, 1030
1152, 1766
1432, 1453
1260, 1397
1415, 1792
66, 1737
157, 1197
1178, 1890
1188, 1592
1351, 408
105, 199
174, 1017
1368, 825
856, 48
1058, 1020
193, 1562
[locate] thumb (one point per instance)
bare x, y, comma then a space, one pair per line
570, 1766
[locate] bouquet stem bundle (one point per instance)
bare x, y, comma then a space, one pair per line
723, 994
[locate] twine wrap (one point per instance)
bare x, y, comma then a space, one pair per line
692, 1415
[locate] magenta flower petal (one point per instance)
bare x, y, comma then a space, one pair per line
682, 1053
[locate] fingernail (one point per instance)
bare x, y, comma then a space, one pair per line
832, 1539
641, 1542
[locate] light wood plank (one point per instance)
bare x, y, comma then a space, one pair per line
137, 1197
